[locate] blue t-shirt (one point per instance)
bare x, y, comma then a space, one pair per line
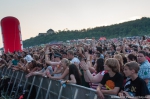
102, 56
144, 72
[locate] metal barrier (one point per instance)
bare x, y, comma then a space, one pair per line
47, 88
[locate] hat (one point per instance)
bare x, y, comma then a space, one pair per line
28, 58
57, 55
64, 53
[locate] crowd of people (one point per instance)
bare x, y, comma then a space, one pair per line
116, 67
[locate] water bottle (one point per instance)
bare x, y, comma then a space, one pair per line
63, 84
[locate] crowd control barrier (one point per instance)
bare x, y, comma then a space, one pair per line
45, 87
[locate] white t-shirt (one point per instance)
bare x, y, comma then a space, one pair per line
75, 60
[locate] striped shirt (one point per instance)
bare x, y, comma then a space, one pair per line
94, 85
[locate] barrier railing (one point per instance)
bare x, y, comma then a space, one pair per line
46, 88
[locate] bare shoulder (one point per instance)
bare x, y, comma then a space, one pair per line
71, 75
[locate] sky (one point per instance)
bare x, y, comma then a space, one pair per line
37, 16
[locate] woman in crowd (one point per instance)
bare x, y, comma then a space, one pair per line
65, 71
120, 60
74, 76
29, 67
97, 76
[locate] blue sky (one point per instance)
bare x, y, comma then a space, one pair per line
37, 16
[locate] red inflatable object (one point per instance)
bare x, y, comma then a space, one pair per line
11, 34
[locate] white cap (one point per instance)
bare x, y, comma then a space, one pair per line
28, 58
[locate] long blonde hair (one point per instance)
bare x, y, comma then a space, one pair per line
67, 62
119, 58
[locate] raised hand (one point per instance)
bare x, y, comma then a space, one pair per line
83, 65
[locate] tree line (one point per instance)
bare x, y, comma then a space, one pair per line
137, 27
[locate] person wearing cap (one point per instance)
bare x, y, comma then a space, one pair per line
57, 69
64, 55
47, 59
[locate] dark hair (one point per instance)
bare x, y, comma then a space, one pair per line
124, 58
25, 53
130, 45
74, 70
100, 65
147, 54
142, 52
132, 57
143, 37
135, 49
147, 48
50, 56
22, 60
141, 47
5, 56
133, 66
97, 54
64, 53
114, 47
33, 63
57, 55
39, 65
99, 49
134, 46
36, 57
70, 52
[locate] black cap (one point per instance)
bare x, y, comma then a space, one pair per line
57, 55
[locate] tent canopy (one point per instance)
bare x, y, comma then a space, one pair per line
102, 38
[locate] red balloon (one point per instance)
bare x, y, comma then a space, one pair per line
11, 34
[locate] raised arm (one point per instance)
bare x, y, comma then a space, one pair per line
88, 76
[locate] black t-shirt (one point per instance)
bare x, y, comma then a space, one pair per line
137, 87
112, 82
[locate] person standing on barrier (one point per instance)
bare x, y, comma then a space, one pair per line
136, 87
112, 81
